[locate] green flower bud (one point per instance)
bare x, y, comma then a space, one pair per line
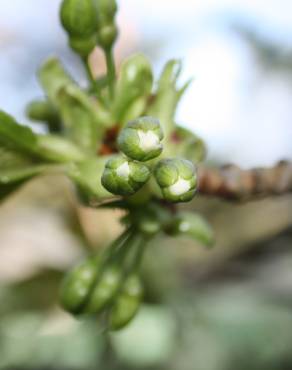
83, 46
141, 139
106, 8
122, 176
106, 31
77, 285
193, 226
177, 179
78, 17
127, 303
105, 289
107, 35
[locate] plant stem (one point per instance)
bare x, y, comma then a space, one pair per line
89, 72
111, 70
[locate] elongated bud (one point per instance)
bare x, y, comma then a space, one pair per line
141, 139
193, 226
78, 17
77, 285
177, 179
124, 177
127, 303
105, 289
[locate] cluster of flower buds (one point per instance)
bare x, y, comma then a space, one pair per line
140, 141
106, 285
89, 22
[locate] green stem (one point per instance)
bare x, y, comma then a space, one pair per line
111, 70
94, 84
88, 70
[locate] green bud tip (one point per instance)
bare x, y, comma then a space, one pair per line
141, 139
78, 17
177, 179
122, 176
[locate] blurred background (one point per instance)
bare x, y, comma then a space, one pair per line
227, 308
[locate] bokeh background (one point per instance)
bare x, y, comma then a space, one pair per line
229, 308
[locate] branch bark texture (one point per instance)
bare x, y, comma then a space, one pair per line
232, 183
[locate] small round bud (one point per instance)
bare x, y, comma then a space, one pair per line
106, 8
78, 17
83, 46
107, 35
177, 179
141, 139
124, 177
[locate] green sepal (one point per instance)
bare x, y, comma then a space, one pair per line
78, 284
127, 304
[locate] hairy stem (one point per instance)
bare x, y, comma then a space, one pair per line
232, 183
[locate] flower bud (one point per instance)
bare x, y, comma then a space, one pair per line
83, 46
193, 226
107, 35
127, 303
78, 17
124, 177
105, 289
78, 284
141, 139
177, 179
106, 30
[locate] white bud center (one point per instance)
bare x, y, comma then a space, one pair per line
148, 140
123, 170
180, 187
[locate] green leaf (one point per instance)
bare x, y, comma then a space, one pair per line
84, 119
16, 137
87, 177
53, 77
184, 143
167, 95
57, 149
133, 88
12, 178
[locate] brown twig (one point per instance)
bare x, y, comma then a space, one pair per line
232, 183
